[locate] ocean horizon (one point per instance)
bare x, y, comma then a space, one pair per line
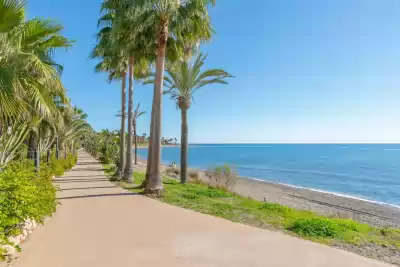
365, 171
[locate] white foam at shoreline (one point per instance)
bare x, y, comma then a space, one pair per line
326, 192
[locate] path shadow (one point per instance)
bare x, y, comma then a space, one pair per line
86, 169
86, 163
100, 195
89, 187
81, 181
74, 177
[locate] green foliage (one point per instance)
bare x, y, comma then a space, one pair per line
58, 167
316, 227
184, 78
273, 207
26, 194
104, 145
29, 75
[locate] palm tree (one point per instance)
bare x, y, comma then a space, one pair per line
136, 115
130, 36
182, 80
177, 22
73, 127
115, 63
29, 77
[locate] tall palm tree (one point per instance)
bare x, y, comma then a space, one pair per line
183, 79
176, 21
115, 63
129, 32
116, 67
136, 115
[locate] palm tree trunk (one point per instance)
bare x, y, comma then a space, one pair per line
135, 134
128, 166
154, 184
184, 146
36, 156
31, 146
57, 149
150, 146
121, 165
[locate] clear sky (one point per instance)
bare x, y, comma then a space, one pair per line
306, 71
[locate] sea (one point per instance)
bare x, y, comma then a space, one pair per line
366, 171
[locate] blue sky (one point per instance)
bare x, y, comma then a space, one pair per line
306, 71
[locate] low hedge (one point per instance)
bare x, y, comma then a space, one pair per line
58, 167
26, 194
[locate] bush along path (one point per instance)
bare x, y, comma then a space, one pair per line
27, 197
213, 197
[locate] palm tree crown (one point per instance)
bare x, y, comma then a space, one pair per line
184, 78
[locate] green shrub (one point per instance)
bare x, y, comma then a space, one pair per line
69, 162
272, 207
57, 166
207, 191
316, 227
24, 194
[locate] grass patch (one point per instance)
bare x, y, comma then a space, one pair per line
316, 227
222, 203
109, 170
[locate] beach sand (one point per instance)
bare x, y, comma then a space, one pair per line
323, 203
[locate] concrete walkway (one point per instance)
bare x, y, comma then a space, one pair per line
99, 225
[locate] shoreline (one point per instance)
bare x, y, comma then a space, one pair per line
329, 204
344, 195
325, 203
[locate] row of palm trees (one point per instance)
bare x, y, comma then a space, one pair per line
137, 36
35, 112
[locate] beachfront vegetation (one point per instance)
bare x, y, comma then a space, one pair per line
104, 145
123, 42
186, 23
182, 80
27, 194
39, 128
137, 34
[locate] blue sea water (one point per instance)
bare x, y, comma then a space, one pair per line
368, 171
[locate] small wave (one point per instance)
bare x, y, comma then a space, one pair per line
391, 149
329, 192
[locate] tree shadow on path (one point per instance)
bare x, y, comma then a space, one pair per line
99, 195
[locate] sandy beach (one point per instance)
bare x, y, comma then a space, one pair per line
328, 204
324, 203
